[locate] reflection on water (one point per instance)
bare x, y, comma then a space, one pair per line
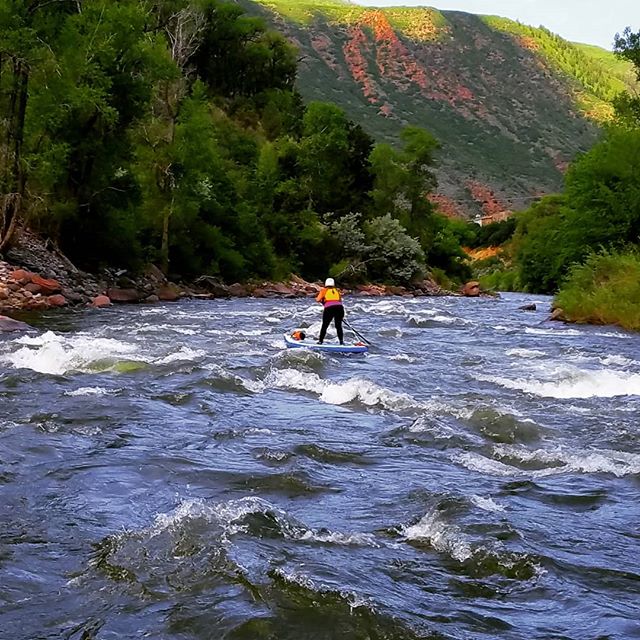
172, 471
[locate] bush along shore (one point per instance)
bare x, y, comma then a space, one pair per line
35, 276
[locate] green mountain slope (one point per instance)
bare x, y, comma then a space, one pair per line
511, 105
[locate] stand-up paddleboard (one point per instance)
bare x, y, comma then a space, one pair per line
331, 347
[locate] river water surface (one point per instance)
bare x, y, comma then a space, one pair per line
174, 472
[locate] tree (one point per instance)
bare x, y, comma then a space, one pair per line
402, 179
25, 30
627, 47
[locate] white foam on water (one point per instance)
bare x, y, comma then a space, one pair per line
570, 382
245, 333
57, 354
559, 459
230, 515
366, 392
476, 462
443, 537
618, 463
164, 328
525, 353
431, 316
554, 332
424, 425
403, 357
616, 360
184, 354
487, 504
615, 334
338, 393
92, 391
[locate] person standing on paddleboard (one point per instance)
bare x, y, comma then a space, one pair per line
331, 299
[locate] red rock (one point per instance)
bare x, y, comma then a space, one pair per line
279, 289
57, 300
21, 276
123, 295
471, 289
101, 301
238, 291
47, 286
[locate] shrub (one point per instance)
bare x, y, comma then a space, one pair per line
394, 255
604, 290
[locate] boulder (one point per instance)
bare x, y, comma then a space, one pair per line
152, 299
369, 290
558, 314
152, 272
21, 276
395, 291
47, 286
101, 301
4, 292
9, 324
471, 289
528, 307
213, 286
57, 300
279, 289
237, 290
123, 295
33, 288
169, 292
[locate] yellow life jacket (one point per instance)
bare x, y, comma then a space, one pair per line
332, 295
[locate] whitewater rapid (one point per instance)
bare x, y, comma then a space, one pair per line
172, 471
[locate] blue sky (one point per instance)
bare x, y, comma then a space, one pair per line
590, 21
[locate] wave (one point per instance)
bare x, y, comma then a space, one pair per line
60, 354
92, 391
254, 516
443, 537
56, 354
571, 382
486, 504
525, 353
518, 461
447, 538
339, 393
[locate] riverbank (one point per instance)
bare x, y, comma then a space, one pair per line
35, 276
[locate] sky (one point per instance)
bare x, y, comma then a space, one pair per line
588, 21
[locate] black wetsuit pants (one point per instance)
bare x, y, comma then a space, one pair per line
336, 313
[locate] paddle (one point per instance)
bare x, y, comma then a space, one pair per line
358, 334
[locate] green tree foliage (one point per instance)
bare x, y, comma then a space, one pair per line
171, 131
494, 234
600, 208
627, 47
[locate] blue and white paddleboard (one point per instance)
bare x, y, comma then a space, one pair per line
331, 347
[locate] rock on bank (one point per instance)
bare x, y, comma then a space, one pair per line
35, 276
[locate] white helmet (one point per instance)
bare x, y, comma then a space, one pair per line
329, 282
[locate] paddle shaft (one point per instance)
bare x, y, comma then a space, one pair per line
354, 331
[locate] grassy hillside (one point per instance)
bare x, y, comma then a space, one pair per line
510, 104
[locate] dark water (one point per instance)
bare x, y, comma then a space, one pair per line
173, 472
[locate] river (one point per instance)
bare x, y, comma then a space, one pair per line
171, 471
